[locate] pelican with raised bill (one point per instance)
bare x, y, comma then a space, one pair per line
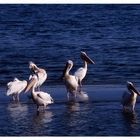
40, 98
41, 74
15, 87
81, 72
129, 98
71, 83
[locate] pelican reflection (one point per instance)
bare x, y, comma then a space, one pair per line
41, 119
73, 106
17, 111
131, 118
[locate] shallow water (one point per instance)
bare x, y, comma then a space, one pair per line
102, 115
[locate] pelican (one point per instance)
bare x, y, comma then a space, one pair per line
41, 74
81, 72
129, 97
40, 98
15, 87
71, 82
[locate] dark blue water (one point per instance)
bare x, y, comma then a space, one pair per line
49, 35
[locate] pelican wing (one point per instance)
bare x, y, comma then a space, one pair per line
42, 76
80, 73
9, 84
125, 98
16, 79
44, 95
15, 87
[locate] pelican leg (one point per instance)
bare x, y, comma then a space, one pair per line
44, 107
80, 86
13, 97
17, 97
68, 96
75, 95
133, 108
37, 108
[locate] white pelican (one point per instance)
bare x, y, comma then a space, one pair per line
71, 82
40, 98
129, 97
41, 74
15, 87
81, 72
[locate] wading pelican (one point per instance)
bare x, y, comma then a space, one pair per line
129, 97
41, 74
81, 72
40, 98
71, 83
15, 87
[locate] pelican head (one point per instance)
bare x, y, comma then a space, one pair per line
85, 57
32, 66
132, 88
68, 66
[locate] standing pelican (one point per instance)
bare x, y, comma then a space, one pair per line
41, 74
40, 98
15, 87
71, 81
81, 72
129, 97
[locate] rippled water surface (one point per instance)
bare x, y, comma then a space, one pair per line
49, 35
